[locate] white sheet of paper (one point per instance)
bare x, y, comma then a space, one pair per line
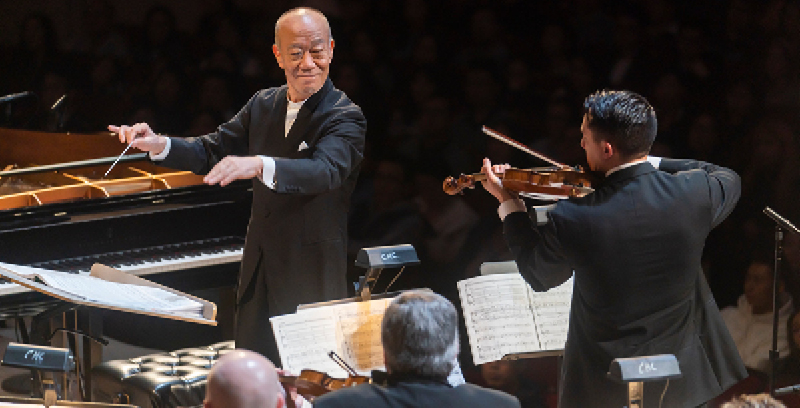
304, 340
360, 327
551, 312
498, 316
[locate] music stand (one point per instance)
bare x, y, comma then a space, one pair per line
780, 224
67, 301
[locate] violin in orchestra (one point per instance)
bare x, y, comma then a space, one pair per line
312, 383
545, 182
557, 182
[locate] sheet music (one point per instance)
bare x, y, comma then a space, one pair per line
304, 340
498, 316
504, 316
360, 326
352, 330
111, 293
551, 313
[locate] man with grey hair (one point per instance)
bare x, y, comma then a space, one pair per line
243, 379
301, 145
420, 345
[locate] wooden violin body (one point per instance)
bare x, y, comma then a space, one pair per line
311, 383
550, 181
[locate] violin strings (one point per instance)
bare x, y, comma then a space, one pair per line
511, 142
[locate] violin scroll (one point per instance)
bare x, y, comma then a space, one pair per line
456, 185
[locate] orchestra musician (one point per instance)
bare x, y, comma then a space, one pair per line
634, 245
243, 379
419, 333
302, 145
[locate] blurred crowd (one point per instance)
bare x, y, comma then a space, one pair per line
722, 75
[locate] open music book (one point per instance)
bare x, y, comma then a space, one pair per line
97, 290
352, 330
505, 316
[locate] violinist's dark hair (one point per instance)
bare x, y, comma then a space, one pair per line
622, 118
420, 335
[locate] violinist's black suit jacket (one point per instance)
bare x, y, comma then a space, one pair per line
297, 236
416, 393
635, 246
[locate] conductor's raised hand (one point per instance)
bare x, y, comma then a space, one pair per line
141, 137
492, 183
233, 168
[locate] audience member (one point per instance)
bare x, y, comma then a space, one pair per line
788, 368
750, 322
507, 376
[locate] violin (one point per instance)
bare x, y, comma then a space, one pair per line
312, 383
557, 182
549, 181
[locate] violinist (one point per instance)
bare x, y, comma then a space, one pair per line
420, 346
634, 246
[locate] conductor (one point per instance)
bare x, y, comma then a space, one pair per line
302, 144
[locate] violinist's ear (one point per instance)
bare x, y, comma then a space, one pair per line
608, 149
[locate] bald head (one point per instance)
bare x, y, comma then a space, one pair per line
302, 14
243, 379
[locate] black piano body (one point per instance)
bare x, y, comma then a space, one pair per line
158, 222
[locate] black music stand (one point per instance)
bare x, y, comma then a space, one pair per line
377, 258
780, 224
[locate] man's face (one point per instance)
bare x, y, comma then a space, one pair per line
592, 145
304, 54
758, 287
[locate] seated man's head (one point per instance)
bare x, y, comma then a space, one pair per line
501, 375
618, 126
754, 401
758, 286
243, 379
420, 335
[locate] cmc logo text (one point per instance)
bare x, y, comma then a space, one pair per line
388, 256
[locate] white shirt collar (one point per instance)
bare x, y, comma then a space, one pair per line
626, 165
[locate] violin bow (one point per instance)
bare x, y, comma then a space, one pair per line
513, 143
338, 360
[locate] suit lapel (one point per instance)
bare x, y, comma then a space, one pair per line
277, 121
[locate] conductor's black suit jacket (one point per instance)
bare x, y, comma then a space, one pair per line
297, 232
635, 246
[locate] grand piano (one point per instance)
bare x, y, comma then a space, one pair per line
57, 211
